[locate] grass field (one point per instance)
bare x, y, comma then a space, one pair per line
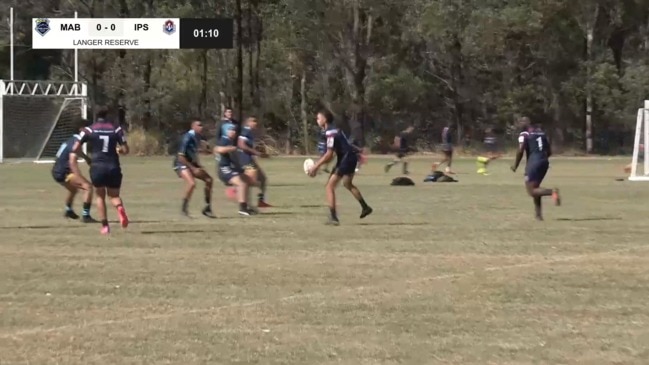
440, 273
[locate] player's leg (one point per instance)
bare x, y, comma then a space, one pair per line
262, 179
190, 184
100, 194
398, 158
330, 190
348, 183
69, 199
405, 162
80, 182
242, 182
536, 174
114, 186
209, 184
448, 157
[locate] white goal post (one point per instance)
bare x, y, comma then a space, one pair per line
36, 117
640, 145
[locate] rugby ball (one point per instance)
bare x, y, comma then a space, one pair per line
308, 164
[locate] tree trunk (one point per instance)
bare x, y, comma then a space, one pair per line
257, 100
239, 97
303, 113
589, 92
203, 100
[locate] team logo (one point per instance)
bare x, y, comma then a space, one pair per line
169, 27
42, 26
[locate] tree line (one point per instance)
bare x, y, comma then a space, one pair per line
581, 67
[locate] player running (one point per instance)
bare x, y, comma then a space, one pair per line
248, 160
106, 141
447, 150
402, 142
490, 152
187, 166
62, 172
229, 171
538, 150
347, 159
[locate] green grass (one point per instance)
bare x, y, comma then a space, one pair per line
440, 273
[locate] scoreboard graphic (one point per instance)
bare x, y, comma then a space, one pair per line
132, 33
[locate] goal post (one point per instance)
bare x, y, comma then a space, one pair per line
36, 117
640, 146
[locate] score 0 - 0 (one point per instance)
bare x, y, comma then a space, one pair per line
105, 29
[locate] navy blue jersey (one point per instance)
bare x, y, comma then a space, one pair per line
103, 138
322, 142
226, 159
189, 146
490, 139
62, 163
248, 137
337, 141
537, 145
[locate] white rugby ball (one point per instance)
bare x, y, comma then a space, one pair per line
308, 164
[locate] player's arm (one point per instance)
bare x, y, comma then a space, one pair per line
327, 155
121, 141
76, 151
223, 148
243, 145
549, 147
519, 153
85, 157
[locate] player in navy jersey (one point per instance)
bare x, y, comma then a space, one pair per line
106, 141
230, 172
225, 124
248, 156
187, 166
62, 172
347, 159
447, 149
402, 143
538, 150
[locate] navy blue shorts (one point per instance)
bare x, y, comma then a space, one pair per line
535, 171
247, 162
60, 176
103, 176
226, 174
490, 148
346, 165
178, 168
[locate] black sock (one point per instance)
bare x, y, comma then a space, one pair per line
208, 198
86, 209
363, 204
537, 206
261, 197
332, 212
185, 204
405, 167
68, 207
243, 207
104, 222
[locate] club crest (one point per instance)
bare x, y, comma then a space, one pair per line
42, 26
169, 27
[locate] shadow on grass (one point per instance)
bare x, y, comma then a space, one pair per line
589, 219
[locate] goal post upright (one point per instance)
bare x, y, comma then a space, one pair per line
640, 141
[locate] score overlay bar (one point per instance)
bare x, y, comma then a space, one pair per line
106, 33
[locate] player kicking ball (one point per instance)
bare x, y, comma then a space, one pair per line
248, 159
347, 159
229, 171
186, 164
538, 151
447, 150
401, 142
62, 172
105, 139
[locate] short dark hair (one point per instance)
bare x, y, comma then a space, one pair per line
227, 108
102, 112
195, 119
83, 122
327, 114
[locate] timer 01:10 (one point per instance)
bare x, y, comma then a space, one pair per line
200, 33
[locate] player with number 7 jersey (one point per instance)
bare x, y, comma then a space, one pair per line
103, 139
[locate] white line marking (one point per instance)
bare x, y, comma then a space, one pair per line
305, 296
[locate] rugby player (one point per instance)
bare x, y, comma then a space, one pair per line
248, 156
347, 159
447, 150
402, 141
62, 172
187, 166
538, 150
229, 171
106, 141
